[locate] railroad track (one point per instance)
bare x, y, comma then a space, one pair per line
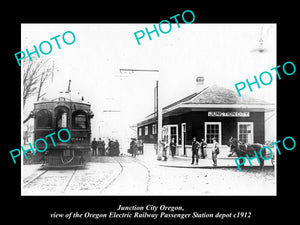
70, 180
30, 180
121, 176
148, 173
47, 180
127, 175
115, 178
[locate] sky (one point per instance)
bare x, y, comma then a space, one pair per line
221, 53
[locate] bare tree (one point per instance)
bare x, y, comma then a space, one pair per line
43, 78
35, 75
27, 131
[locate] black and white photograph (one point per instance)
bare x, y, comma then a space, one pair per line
174, 115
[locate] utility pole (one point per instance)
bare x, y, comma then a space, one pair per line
157, 109
158, 122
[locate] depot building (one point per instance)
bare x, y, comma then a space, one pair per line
212, 111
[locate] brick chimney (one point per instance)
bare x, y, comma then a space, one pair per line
199, 83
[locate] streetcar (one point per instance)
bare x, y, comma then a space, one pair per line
50, 117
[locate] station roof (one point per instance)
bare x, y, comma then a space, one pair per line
213, 98
218, 95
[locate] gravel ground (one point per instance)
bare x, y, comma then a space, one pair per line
186, 181
128, 176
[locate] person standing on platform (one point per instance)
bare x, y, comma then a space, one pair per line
109, 146
133, 147
117, 148
164, 147
142, 146
101, 147
215, 151
94, 147
98, 147
173, 147
130, 150
203, 146
195, 149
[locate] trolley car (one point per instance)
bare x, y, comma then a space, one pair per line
51, 116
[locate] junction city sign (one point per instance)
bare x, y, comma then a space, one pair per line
229, 114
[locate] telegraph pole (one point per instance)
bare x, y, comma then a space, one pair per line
159, 122
157, 109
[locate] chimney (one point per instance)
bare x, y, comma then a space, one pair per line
199, 83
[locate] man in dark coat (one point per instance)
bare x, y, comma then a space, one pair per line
140, 146
94, 147
195, 149
117, 148
203, 146
173, 147
110, 147
133, 147
101, 147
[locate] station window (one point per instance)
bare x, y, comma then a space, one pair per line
245, 132
146, 130
140, 131
154, 129
212, 129
173, 132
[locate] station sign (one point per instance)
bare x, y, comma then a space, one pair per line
228, 114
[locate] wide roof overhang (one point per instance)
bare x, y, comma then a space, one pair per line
185, 108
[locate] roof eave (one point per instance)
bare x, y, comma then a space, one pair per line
249, 107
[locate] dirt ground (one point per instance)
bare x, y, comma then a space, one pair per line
129, 176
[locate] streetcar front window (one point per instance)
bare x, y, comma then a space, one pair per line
79, 120
62, 121
61, 117
43, 119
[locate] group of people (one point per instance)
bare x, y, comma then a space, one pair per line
98, 145
136, 147
164, 147
113, 147
202, 145
196, 146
